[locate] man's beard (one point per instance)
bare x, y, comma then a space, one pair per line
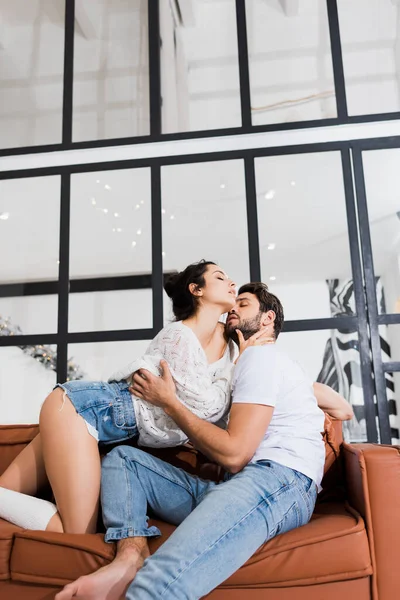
248, 327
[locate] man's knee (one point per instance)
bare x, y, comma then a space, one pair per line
121, 453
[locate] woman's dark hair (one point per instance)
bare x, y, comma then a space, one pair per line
267, 302
184, 303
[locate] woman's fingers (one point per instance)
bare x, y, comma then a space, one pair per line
261, 333
265, 339
240, 336
260, 338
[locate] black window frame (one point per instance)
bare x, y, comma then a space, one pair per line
363, 272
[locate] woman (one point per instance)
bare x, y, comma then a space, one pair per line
77, 414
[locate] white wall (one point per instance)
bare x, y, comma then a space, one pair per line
24, 382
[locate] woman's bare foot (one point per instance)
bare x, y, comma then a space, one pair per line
110, 582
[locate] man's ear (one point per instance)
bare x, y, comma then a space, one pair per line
268, 318
195, 289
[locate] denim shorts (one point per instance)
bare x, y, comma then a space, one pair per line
107, 408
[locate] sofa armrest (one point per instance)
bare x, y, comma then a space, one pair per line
373, 489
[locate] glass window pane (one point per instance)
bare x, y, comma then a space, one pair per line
102, 311
111, 70
390, 342
382, 180
395, 395
204, 216
304, 248
369, 37
29, 247
36, 378
110, 237
332, 357
291, 74
199, 66
29, 314
97, 361
31, 67
390, 352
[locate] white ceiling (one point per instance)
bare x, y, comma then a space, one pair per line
290, 65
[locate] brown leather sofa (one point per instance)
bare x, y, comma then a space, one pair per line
350, 550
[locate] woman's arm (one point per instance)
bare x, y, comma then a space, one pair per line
332, 403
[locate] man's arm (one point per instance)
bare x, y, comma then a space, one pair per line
232, 448
332, 403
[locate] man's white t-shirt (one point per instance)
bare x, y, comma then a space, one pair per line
265, 375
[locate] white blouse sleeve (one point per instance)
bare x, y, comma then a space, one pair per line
132, 367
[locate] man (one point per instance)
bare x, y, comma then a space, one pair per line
273, 455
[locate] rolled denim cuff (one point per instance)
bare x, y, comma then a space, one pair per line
114, 534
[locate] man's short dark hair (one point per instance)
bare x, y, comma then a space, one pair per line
267, 302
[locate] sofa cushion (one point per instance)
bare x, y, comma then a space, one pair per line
7, 531
333, 546
57, 558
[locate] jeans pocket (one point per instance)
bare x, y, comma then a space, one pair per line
312, 498
290, 520
308, 491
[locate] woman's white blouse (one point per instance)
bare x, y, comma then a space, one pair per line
202, 387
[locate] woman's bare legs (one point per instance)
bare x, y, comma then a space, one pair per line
26, 474
72, 461
66, 455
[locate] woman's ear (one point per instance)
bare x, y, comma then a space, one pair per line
195, 290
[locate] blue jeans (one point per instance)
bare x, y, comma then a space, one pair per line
220, 525
107, 408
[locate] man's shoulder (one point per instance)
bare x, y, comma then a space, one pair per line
268, 358
257, 357
260, 352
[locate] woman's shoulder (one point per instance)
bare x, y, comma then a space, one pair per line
173, 326
173, 331
175, 340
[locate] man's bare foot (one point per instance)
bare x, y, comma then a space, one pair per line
108, 583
